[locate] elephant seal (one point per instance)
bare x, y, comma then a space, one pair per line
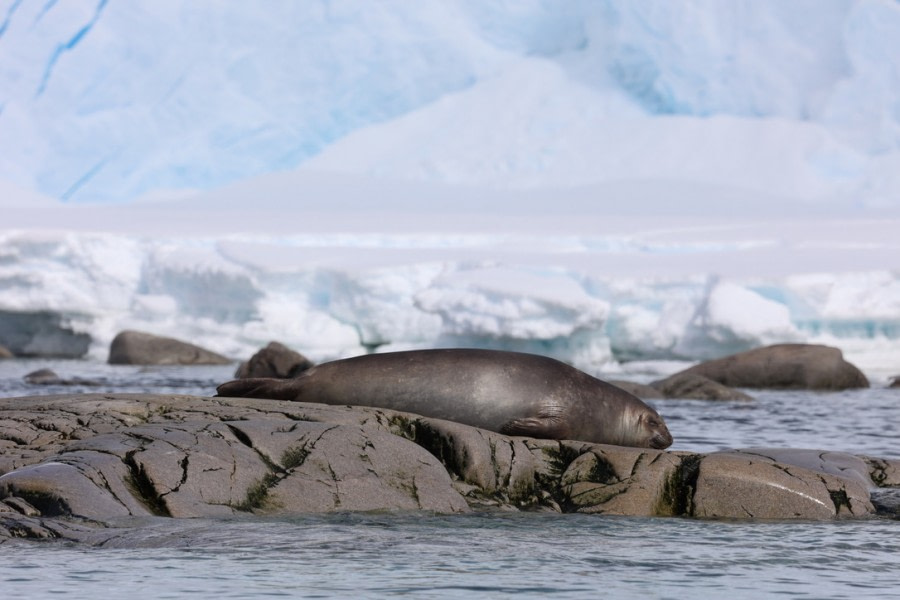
508, 392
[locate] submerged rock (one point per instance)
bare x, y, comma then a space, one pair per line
49, 377
691, 385
41, 377
275, 360
71, 463
682, 385
139, 348
887, 501
784, 366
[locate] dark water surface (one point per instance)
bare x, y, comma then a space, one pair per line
486, 555
490, 555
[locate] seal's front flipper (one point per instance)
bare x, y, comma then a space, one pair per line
256, 387
536, 427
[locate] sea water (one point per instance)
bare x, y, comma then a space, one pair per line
489, 555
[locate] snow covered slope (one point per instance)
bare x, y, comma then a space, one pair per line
105, 100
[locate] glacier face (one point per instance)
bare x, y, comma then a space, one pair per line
104, 100
598, 291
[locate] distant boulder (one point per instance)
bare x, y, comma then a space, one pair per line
275, 360
640, 390
139, 348
691, 385
42, 377
784, 366
895, 382
5, 353
49, 377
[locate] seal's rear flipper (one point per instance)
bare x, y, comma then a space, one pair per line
255, 387
536, 427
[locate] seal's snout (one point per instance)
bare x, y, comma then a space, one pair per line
661, 440
654, 432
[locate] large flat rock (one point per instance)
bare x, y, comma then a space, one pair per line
84, 460
735, 485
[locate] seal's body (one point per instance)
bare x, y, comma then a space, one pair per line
507, 392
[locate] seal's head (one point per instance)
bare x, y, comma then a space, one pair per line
652, 430
625, 420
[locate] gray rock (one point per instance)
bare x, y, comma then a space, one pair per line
785, 366
691, 385
37, 427
138, 348
622, 481
895, 382
500, 469
18, 505
58, 489
14, 526
69, 464
885, 472
190, 469
841, 464
275, 360
642, 391
736, 485
5, 352
342, 467
185, 466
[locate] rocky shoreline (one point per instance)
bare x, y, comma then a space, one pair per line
77, 466
70, 465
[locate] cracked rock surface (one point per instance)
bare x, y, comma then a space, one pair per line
70, 464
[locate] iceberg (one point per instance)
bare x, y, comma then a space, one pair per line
601, 290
